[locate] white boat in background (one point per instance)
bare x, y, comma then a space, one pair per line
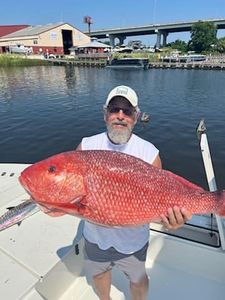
128, 63
20, 49
43, 258
145, 117
192, 58
122, 49
183, 58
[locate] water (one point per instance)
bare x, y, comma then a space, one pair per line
47, 110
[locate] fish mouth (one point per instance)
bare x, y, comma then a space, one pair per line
24, 181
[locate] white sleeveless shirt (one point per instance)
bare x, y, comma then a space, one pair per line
123, 239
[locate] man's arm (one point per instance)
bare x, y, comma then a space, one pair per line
176, 217
157, 162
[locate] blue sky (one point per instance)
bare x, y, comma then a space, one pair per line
111, 14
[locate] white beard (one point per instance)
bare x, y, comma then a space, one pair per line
119, 136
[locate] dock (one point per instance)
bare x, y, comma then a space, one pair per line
188, 66
213, 63
91, 63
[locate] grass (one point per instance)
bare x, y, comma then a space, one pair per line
10, 60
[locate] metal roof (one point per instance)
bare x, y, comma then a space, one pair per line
94, 44
33, 30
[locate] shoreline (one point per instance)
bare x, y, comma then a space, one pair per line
212, 63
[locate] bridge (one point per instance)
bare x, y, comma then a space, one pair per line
160, 30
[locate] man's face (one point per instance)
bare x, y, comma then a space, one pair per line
120, 118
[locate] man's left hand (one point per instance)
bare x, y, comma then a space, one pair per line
175, 218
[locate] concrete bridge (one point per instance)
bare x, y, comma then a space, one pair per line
160, 30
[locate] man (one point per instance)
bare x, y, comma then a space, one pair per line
125, 248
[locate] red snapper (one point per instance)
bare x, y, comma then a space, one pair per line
113, 189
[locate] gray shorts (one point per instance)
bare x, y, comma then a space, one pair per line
130, 265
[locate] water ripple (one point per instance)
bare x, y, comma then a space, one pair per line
46, 110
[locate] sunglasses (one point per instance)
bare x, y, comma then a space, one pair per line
129, 111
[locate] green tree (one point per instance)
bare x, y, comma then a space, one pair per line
203, 35
220, 46
179, 45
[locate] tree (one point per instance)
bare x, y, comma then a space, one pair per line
179, 45
203, 35
220, 46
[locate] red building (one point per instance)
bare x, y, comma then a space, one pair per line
7, 29
55, 38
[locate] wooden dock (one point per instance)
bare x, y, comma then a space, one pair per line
214, 64
194, 65
99, 63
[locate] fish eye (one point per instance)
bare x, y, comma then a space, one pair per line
51, 169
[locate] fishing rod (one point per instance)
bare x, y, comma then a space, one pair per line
207, 161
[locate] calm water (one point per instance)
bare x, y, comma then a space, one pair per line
46, 110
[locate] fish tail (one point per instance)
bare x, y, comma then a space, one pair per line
221, 203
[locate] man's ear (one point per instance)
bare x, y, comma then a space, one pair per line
138, 114
104, 113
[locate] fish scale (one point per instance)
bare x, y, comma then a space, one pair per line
113, 189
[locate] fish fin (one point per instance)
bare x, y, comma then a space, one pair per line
56, 209
186, 182
10, 207
23, 201
50, 211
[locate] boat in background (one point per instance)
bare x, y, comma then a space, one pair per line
184, 58
192, 58
145, 117
20, 49
128, 63
122, 49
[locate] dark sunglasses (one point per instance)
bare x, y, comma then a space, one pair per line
129, 111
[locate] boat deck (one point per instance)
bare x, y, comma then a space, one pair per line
42, 259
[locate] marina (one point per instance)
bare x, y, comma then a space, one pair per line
56, 70
141, 63
47, 110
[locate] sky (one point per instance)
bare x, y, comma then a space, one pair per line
112, 13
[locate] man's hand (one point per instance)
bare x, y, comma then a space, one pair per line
175, 218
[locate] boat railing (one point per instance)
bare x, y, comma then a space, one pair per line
93, 55
206, 156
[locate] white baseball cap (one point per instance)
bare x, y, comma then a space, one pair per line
123, 91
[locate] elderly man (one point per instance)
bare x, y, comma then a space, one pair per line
125, 248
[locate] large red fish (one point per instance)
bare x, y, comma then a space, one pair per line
112, 188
